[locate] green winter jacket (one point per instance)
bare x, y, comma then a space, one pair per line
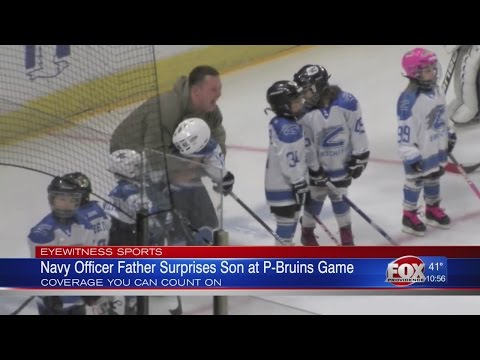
152, 124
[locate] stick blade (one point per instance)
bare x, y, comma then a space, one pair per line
176, 311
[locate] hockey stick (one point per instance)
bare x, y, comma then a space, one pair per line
452, 168
23, 305
179, 309
330, 235
255, 216
470, 168
361, 213
186, 226
449, 72
462, 171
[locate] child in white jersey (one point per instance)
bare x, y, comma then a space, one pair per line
337, 148
424, 140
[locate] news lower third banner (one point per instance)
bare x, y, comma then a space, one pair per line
244, 270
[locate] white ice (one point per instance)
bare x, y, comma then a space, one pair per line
373, 75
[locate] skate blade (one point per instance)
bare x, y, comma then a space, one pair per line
277, 243
306, 243
410, 231
435, 224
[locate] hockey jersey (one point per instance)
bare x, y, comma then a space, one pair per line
213, 164
100, 221
126, 200
77, 231
422, 130
333, 134
285, 162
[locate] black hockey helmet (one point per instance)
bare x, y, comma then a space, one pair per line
61, 186
280, 96
83, 182
313, 77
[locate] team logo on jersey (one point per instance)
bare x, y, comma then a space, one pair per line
290, 130
333, 137
405, 271
435, 118
46, 61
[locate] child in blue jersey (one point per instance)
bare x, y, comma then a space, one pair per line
286, 187
337, 148
424, 140
92, 210
101, 225
127, 199
65, 226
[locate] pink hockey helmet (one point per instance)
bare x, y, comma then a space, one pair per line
414, 60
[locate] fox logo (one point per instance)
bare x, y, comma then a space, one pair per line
406, 271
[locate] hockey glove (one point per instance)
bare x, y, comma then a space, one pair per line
301, 191
227, 184
452, 140
357, 164
318, 177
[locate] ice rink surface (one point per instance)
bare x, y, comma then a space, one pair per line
373, 75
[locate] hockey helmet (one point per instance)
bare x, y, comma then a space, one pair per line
191, 136
280, 96
64, 197
83, 182
126, 163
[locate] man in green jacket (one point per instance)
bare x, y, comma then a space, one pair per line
151, 126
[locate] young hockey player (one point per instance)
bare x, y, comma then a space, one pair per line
127, 198
66, 226
424, 140
286, 185
192, 140
337, 148
100, 221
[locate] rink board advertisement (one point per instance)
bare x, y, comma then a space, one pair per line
241, 270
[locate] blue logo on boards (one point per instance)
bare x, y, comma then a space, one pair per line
46, 61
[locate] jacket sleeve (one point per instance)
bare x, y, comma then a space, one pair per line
130, 133
218, 131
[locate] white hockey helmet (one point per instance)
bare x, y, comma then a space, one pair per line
126, 163
191, 136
